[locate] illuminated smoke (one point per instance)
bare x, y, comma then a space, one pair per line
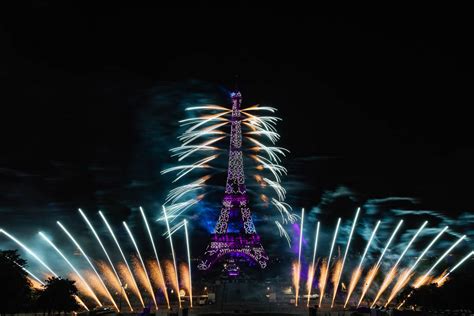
35, 284
389, 277
81, 302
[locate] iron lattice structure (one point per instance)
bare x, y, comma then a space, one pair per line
235, 207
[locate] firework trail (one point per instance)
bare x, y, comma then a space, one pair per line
337, 270
131, 279
338, 278
323, 287
173, 255
110, 277
89, 289
171, 275
389, 278
455, 267
29, 251
99, 279
312, 268
163, 288
200, 155
188, 251
440, 279
148, 285
323, 277
95, 283
141, 276
373, 271
412, 268
419, 283
156, 275
298, 274
358, 271
402, 280
81, 303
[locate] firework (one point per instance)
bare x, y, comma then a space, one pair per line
171, 275
163, 288
358, 271
420, 282
190, 285
131, 279
322, 286
312, 268
89, 289
338, 278
148, 286
337, 270
156, 276
402, 282
99, 279
172, 254
373, 271
298, 272
455, 267
102, 265
390, 276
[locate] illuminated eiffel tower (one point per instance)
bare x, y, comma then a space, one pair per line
243, 245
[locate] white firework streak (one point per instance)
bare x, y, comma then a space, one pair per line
189, 137
275, 169
283, 232
272, 136
178, 208
286, 215
173, 229
266, 122
257, 107
184, 151
271, 151
178, 192
203, 120
203, 135
185, 169
207, 107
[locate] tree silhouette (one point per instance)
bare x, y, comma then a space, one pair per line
58, 296
15, 292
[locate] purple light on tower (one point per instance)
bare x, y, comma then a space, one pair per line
244, 245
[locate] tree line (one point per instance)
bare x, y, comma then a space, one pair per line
17, 293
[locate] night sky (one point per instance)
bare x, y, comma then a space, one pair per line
375, 108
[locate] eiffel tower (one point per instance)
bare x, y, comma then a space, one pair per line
243, 245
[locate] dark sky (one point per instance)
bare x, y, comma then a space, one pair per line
379, 104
